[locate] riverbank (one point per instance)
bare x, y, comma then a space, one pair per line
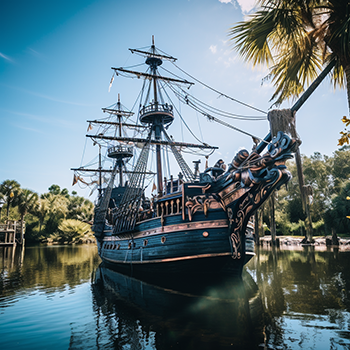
295, 242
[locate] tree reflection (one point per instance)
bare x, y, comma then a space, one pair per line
301, 282
49, 268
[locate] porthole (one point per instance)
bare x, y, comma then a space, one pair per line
145, 242
163, 239
205, 234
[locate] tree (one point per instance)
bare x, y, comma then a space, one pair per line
56, 189
341, 167
58, 209
26, 201
296, 38
41, 211
336, 215
80, 208
9, 188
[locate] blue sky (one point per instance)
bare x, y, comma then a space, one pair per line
55, 69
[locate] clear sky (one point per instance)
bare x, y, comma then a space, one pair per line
55, 69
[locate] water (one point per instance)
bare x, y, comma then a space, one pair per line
59, 297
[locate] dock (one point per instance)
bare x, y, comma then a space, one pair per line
12, 233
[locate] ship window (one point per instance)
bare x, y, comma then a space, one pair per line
145, 242
129, 245
205, 234
118, 246
163, 239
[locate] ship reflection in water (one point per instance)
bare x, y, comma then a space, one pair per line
173, 314
287, 299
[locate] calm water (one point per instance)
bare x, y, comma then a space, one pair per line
62, 298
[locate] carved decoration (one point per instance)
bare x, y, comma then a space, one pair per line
201, 203
249, 186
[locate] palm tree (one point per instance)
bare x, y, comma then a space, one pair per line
9, 188
26, 201
41, 211
295, 38
2, 201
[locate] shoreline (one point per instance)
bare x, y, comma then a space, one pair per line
295, 242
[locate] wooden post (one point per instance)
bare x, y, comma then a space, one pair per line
272, 219
256, 227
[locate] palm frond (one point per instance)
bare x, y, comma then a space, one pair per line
251, 37
296, 67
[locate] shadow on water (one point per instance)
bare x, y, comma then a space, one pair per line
174, 314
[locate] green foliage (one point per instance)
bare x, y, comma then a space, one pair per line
70, 231
329, 180
80, 208
43, 214
9, 190
336, 215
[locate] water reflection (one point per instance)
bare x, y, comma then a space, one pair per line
177, 315
286, 300
306, 297
47, 268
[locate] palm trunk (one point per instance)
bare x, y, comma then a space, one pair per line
347, 75
8, 209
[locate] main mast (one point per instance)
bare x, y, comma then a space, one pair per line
156, 114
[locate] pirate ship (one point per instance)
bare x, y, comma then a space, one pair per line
196, 222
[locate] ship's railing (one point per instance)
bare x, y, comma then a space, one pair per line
156, 107
165, 207
172, 185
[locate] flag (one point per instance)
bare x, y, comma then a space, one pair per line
82, 180
110, 84
89, 127
154, 187
75, 180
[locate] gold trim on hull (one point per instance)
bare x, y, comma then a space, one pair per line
181, 258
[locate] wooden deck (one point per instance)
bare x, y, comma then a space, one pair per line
12, 233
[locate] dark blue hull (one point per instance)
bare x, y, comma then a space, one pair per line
201, 246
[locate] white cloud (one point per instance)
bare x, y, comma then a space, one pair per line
246, 5
5, 57
213, 48
225, 1
33, 52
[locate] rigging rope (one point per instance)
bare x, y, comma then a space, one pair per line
218, 92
